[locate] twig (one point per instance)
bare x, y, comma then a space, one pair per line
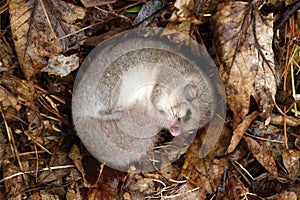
32, 172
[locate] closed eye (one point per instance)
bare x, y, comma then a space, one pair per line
187, 115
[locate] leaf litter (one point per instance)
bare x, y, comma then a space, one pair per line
40, 30
41, 157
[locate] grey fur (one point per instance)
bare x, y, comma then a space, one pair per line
120, 135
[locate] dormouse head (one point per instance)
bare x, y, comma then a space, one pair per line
184, 108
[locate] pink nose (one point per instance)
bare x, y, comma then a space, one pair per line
175, 128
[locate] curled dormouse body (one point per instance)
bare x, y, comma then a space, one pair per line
120, 103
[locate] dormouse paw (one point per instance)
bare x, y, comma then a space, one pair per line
110, 114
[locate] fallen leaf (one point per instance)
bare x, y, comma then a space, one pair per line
149, 8
243, 41
185, 12
7, 64
43, 195
291, 163
76, 156
186, 192
234, 187
23, 90
73, 190
36, 126
59, 158
262, 156
173, 28
92, 3
240, 130
7, 100
107, 186
144, 185
267, 185
286, 195
206, 172
270, 137
39, 29
279, 120
297, 142
15, 185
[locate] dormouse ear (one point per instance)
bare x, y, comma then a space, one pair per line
191, 91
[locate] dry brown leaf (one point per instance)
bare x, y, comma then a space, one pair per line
143, 185
186, 192
297, 142
108, 183
185, 12
92, 3
243, 41
43, 195
271, 138
234, 187
73, 191
76, 156
173, 28
7, 100
59, 158
22, 89
206, 172
279, 120
286, 195
291, 163
262, 156
35, 127
15, 185
6, 56
37, 28
148, 9
240, 130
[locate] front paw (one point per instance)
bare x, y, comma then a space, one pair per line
106, 115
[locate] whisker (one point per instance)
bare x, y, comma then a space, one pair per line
171, 108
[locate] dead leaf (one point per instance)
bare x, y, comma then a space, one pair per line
291, 163
297, 142
6, 56
206, 172
22, 89
36, 126
149, 8
92, 3
15, 185
37, 28
43, 195
243, 41
270, 137
173, 28
7, 100
59, 158
279, 120
186, 192
73, 191
140, 184
108, 183
240, 130
234, 187
76, 156
286, 195
262, 156
185, 12
267, 185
